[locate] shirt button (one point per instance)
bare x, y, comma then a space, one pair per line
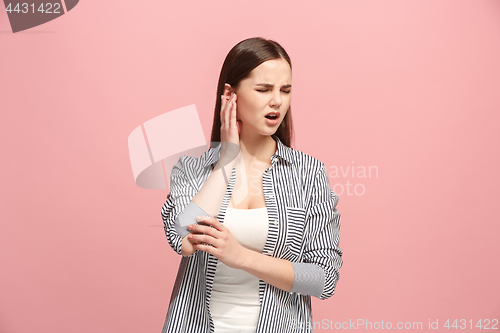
276, 222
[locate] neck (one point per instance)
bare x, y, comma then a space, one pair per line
257, 148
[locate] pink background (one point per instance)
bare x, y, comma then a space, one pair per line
410, 88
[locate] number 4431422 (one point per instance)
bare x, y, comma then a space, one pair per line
25, 8
485, 324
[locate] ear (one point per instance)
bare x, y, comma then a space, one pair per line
228, 90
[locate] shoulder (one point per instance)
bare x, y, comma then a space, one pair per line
195, 165
189, 170
307, 163
315, 175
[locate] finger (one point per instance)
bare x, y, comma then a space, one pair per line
232, 115
222, 106
190, 239
201, 229
198, 239
227, 111
211, 221
206, 248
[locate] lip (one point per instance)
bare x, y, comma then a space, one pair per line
273, 122
275, 113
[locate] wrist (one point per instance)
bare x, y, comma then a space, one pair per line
247, 258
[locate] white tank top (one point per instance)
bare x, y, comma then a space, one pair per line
235, 300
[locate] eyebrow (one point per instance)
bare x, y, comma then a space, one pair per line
269, 85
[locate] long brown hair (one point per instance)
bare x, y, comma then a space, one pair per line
240, 61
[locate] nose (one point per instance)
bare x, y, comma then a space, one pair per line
276, 99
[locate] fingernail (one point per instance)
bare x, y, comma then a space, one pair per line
199, 218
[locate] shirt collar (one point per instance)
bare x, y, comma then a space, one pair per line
283, 152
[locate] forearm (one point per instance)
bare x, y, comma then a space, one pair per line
300, 278
277, 272
208, 200
210, 196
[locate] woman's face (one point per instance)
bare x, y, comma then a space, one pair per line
266, 90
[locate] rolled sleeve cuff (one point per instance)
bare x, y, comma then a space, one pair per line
188, 216
309, 279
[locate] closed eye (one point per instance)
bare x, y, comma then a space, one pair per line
286, 92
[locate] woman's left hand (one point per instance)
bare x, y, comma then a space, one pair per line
225, 247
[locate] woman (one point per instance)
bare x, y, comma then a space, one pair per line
274, 243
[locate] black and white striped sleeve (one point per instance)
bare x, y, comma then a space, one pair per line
179, 211
318, 274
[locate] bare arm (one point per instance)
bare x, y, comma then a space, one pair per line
208, 199
211, 194
275, 271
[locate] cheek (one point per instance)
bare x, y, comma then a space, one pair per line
282, 118
240, 112
243, 111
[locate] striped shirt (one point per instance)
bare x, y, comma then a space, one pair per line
304, 228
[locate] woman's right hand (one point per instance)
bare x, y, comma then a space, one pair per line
230, 127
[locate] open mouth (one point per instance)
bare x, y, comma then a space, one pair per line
272, 115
